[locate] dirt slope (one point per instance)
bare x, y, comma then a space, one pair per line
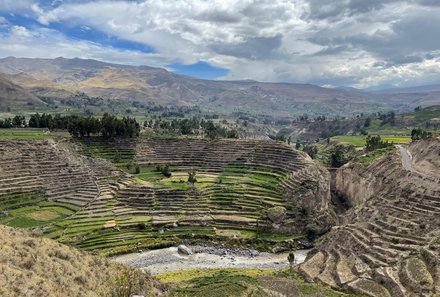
12, 95
34, 266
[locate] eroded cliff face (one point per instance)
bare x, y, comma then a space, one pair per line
309, 188
354, 186
389, 240
426, 157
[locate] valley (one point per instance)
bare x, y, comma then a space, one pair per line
193, 148
262, 202
136, 195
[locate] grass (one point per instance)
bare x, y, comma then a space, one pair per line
43, 215
397, 139
359, 140
31, 209
14, 133
243, 282
368, 158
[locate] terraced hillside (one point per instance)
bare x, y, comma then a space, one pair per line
389, 242
78, 193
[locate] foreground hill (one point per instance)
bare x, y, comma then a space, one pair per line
61, 77
34, 266
12, 95
388, 242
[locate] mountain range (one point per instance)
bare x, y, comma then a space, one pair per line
63, 78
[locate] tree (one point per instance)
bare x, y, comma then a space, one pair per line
337, 156
19, 121
192, 177
291, 259
375, 142
367, 122
165, 170
311, 150
419, 134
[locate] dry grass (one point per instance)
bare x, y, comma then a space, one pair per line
43, 215
36, 266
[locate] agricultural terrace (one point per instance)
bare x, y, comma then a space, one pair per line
115, 197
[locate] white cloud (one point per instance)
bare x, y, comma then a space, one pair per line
47, 43
270, 40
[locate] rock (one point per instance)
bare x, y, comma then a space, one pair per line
183, 249
278, 249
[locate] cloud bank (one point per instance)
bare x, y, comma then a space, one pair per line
357, 43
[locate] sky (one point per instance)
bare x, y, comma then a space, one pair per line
354, 43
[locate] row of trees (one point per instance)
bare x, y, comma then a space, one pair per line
15, 122
419, 134
108, 126
193, 126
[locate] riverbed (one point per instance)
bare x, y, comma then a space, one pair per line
169, 260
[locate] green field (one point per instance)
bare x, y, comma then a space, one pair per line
359, 140
243, 282
23, 134
31, 210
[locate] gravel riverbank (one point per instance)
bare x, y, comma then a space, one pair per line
207, 256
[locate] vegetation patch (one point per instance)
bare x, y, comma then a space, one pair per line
243, 282
24, 134
368, 158
43, 215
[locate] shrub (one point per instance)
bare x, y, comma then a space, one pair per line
311, 150
129, 282
192, 177
312, 231
276, 214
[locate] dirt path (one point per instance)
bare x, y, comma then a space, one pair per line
168, 259
406, 158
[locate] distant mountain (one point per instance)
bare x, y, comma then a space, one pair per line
62, 77
417, 89
12, 95
417, 96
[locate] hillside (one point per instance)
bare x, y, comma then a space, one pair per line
388, 241
12, 94
82, 192
60, 77
31, 265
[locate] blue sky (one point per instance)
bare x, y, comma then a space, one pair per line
75, 32
363, 44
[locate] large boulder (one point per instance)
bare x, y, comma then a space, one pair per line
184, 250
276, 214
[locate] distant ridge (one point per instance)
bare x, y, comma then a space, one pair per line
62, 77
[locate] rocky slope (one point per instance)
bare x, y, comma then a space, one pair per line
388, 243
31, 265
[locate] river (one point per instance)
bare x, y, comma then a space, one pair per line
169, 260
